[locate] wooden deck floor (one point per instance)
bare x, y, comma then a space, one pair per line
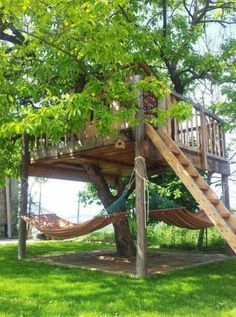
65, 161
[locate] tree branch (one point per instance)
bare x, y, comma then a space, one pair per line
216, 21
52, 45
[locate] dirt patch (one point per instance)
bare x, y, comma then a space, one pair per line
108, 261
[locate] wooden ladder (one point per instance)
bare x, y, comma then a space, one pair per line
220, 216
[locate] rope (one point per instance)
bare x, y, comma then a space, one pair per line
137, 160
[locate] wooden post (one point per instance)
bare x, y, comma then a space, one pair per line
141, 269
24, 196
225, 191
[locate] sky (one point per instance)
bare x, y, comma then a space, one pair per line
61, 197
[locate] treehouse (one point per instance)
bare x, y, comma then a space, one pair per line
201, 139
197, 143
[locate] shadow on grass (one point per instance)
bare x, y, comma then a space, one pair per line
37, 289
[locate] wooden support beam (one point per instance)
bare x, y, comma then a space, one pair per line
64, 172
225, 191
141, 258
24, 196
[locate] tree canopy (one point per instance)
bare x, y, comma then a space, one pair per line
60, 60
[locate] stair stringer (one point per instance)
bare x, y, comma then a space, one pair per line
220, 207
213, 214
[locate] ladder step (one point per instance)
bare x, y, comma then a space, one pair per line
225, 215
192, 172
182, 160
202, 184
175, 150
214, 201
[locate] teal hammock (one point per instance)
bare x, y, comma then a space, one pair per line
119, 205
156, 201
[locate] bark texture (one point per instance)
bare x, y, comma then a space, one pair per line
124, 242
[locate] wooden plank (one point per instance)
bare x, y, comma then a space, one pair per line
141, 258
201, 183
82, 144
187, 133
192, 136
197, 130
219, 152
63, 173
181, 132
204, 139
188, 181
194, 173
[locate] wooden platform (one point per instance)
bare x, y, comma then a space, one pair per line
66, 161
201, 138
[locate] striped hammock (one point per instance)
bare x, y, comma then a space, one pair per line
182, 218
58, 228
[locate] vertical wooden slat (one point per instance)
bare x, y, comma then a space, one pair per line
223, 143
176, 131
197, 129
219, 139
214, 140
203, 127
192, 136
211, 136
187, 133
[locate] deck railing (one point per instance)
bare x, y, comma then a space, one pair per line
202, 132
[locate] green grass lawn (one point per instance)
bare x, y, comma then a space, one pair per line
35, 289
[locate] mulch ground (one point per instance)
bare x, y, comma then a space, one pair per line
108, 261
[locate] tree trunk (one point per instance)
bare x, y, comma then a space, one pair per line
200, 239
124, 242
5, 211
125, 246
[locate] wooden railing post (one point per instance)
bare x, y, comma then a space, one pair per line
204, 139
